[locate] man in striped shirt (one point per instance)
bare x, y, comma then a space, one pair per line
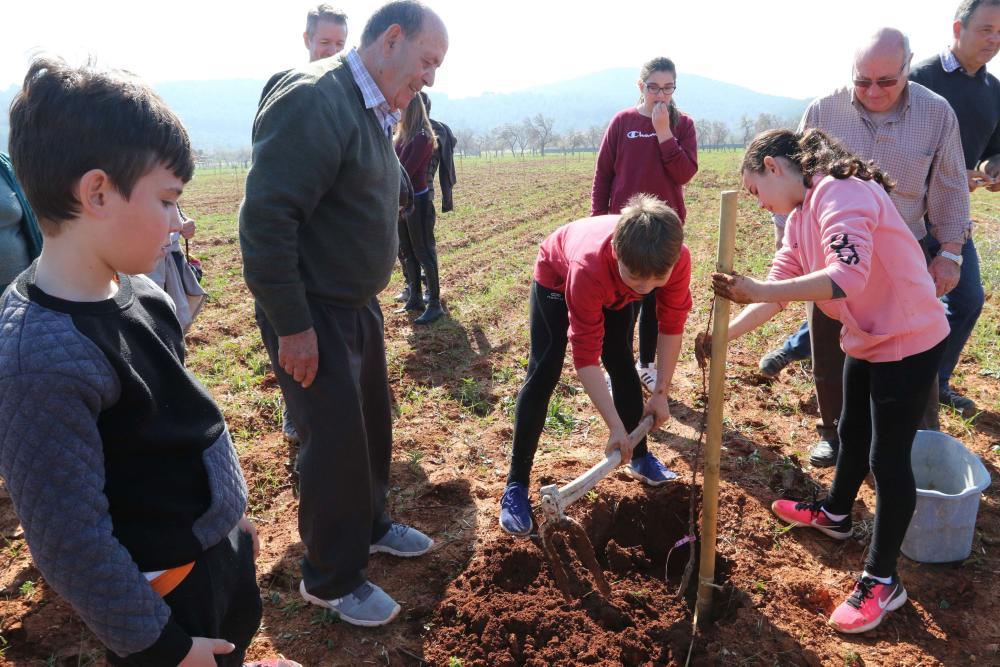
912, 134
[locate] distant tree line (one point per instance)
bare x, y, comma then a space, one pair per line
537, 136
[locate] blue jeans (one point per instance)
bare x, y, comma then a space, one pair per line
962, 305
797, 345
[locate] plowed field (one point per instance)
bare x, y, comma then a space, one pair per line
482, 598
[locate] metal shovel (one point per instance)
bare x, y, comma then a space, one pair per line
555, 500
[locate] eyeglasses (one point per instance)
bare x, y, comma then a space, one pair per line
865, 84
656, 90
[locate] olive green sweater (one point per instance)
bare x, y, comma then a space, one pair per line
322, 197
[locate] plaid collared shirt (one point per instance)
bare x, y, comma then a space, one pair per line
374, 99
919, 146
949, 62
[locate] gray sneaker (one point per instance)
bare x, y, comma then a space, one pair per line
963, 404
403, 541
772, 363
824, 454
288, 428
368, 605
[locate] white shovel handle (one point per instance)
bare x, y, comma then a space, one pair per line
588, 480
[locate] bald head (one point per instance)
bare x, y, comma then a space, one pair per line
885, 43
880, 69
412, 16
403, 45
433, 22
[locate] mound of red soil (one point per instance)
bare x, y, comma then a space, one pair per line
506, 609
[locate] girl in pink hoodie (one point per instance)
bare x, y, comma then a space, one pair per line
847, 249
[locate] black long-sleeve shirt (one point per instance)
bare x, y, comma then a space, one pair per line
975, 100
116, 458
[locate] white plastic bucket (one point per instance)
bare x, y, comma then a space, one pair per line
950, 479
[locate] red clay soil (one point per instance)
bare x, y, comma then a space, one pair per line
506, 610
484, 598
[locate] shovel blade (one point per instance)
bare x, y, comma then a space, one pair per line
573, 536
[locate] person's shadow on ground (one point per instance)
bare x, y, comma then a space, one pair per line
313, 636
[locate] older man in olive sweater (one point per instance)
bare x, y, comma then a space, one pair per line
318, 233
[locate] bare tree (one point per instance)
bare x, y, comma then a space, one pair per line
720, 133
712, 133
746, 125
595, 133
766, 121
523, 133
528, 135
573, 140
465, 140
508, 136
484, 142
542, 131
703, 130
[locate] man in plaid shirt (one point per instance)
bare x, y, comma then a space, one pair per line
912, 134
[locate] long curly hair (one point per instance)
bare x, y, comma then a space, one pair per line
813, 152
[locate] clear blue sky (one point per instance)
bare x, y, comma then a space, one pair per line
784, 47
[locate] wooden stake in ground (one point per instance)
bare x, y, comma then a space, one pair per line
716, 396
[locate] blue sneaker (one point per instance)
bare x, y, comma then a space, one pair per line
515, 510
650, 470
402, 541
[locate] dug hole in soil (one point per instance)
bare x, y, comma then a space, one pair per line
507, 610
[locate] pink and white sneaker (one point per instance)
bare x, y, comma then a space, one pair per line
811, 514
868, 605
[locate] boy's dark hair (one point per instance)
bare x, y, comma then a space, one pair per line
648, 236
408, 14
67, 120
812, 152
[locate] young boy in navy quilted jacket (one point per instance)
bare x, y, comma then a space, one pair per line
118, 461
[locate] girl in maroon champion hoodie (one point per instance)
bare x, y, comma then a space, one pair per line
649, 148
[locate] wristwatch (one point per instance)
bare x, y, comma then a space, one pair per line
952, 256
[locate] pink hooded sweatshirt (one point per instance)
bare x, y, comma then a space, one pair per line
851, 229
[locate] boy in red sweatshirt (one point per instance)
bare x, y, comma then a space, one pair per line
586, 273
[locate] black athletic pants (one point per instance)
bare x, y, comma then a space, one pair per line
648, 328
416, 236
344, 420
883, 405
828, 371
218, 599
549, 328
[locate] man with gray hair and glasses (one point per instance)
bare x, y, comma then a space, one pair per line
911, 133
959, 75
